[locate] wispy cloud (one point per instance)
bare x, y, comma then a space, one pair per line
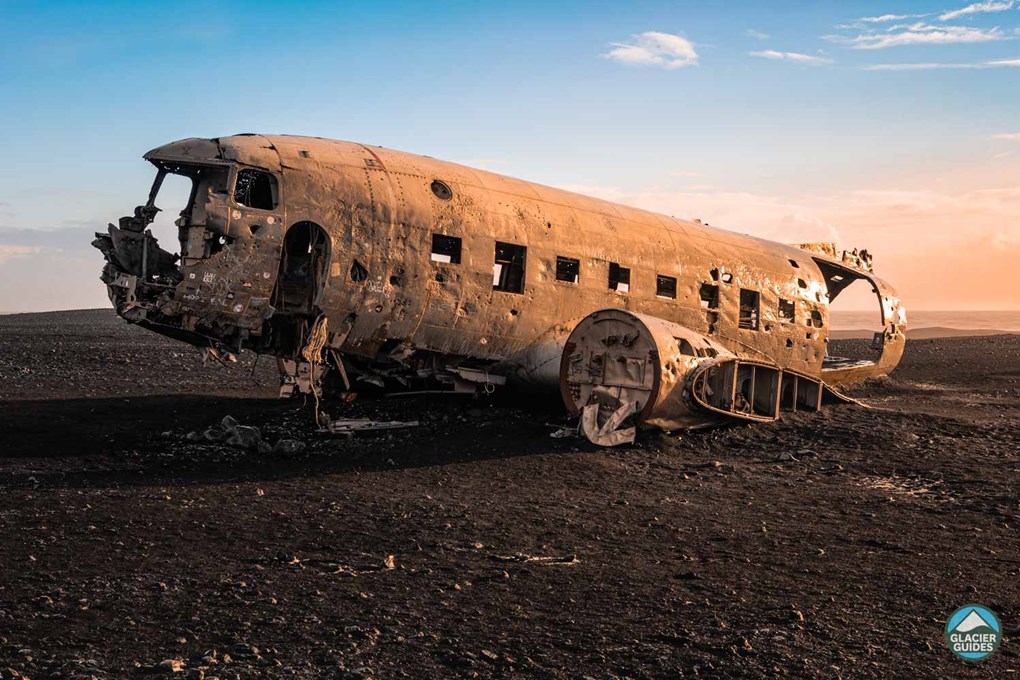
978, 8
918, 67
795, 57
757, 35
919, 33
996, 63
1008, 136
652, 48
8, 252
885, 18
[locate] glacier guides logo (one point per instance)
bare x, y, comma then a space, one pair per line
973, 632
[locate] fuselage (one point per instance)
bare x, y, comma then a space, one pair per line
404, 253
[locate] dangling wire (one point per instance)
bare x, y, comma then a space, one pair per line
312, 353
255, 365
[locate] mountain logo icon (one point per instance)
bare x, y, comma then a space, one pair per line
973, 632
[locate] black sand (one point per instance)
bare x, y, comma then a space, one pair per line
475, 544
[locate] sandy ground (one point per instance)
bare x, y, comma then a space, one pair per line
476, 544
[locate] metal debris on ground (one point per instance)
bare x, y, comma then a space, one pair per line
520, 557
232, 433
348, 426
612, 432
564, 432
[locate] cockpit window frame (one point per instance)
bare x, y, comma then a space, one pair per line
235, 173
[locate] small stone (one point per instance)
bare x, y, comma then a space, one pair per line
785, 457
289, 447
228, 423
390, 562
169, 666
245, 437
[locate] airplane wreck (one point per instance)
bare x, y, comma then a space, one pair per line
357, 264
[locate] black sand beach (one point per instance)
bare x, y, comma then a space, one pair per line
828, 545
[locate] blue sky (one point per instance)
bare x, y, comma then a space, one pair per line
792, 120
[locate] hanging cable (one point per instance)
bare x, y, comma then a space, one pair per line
312, 353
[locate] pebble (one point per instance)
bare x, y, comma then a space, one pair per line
169, 666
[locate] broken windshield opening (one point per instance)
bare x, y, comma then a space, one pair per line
173, 200
185, 199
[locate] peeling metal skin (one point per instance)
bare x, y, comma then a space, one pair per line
288, 237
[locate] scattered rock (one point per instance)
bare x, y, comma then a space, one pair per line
245, 437
288, 447
169, 666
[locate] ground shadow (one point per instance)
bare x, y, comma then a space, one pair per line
102, 443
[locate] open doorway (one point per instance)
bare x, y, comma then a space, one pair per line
855, 312
303, 266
